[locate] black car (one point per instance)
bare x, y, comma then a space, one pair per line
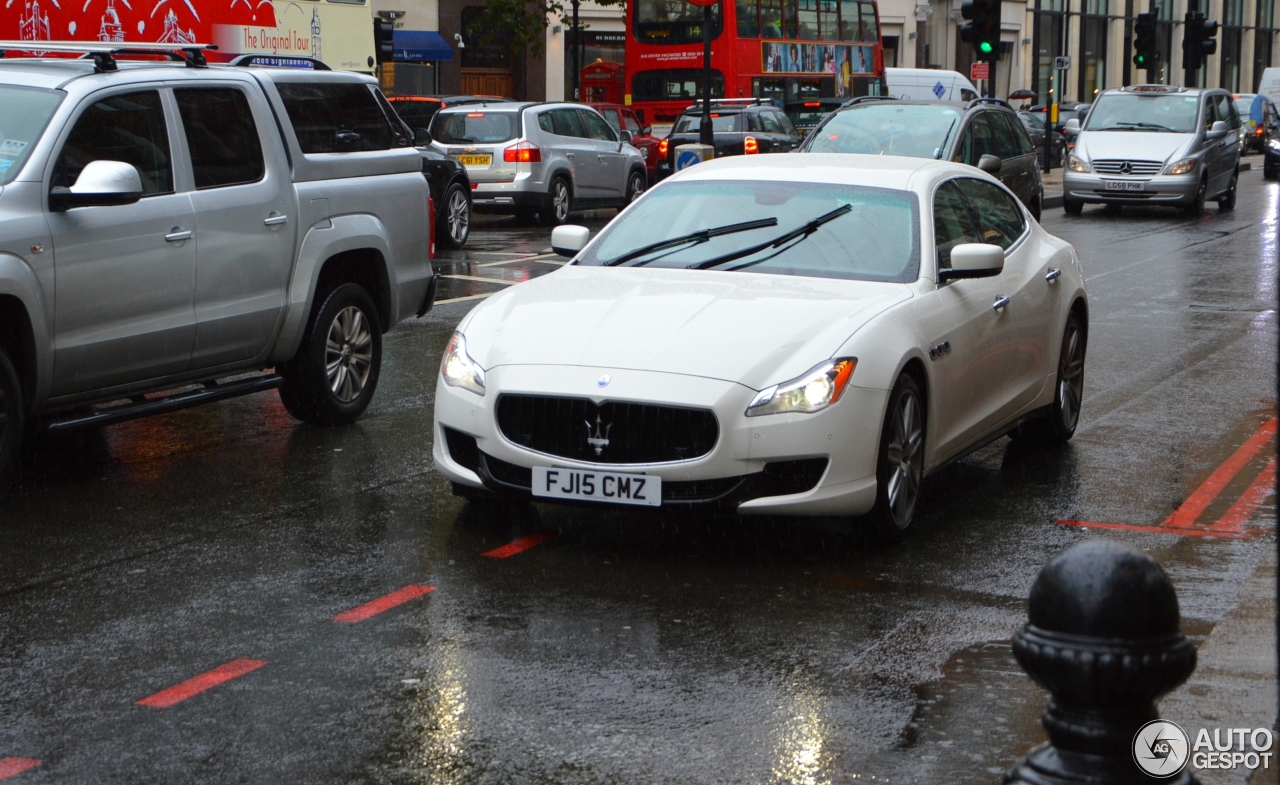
1034, 123
1271, 155
741, 126
984, 132
450, 189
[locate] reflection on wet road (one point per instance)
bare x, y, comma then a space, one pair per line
169, 556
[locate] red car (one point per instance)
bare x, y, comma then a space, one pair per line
624, 118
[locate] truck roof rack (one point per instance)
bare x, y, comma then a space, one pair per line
277, 61
103, 53
861, 98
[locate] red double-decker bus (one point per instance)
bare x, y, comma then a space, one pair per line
790, 50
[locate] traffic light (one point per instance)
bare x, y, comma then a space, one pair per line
1144, 41
983, 30
1198, 41
383, 32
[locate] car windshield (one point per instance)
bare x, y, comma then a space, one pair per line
888, 128
807, 117
1155, 112
1244, 104
27, 112
875, 241
690, 123
473, 127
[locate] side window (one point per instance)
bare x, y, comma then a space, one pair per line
1210, 113
1227, 111
984, 138
611, 117
784, 124
221, 136
335, 117
770, 122
953, 223
1014, 138
129, 128
632, 125
596, 127
567, 123
1006, 142
754, 124
1002, 221
544, 122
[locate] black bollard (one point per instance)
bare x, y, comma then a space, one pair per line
1103, 638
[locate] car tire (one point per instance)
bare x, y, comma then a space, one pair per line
559, 203
12, 420
1196, 208
1060, 424
454, 222
1111, 208
636, 184
899, 463
1072, 206
1227, 201
335, 372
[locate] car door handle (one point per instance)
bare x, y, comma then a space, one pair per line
568, 155
1053, 274
275, 219
1001, 301
178, 234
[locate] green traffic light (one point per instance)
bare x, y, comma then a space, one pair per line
986, 47
1140, 59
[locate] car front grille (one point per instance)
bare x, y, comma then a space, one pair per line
1136, 168
614, 432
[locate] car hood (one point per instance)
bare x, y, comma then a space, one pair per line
1132, 145
751, 328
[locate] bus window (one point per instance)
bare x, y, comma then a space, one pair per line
748, 18
771, 18
674, 84
849, 24
869, 30
672, 21
828, 24
808, 17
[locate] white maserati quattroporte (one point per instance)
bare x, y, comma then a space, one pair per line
781, 334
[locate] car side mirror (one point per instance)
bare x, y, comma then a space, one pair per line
101, 183
990, 163
1218, 130
973, 260
569, 239
421, 137
1072, 127
647, 130
624, 136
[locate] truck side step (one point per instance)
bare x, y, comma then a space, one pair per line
144, 407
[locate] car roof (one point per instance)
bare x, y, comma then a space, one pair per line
58, 72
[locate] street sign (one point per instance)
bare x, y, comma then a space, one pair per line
1062, 63
980, 71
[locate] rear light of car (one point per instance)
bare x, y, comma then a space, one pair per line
662, 148
750, 146
475, 114
812, 104
523, 153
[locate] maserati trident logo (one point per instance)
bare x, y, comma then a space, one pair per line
1126, 168
603, 381
599, 437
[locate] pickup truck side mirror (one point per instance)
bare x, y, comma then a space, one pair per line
973, 260
421, 137
647, 130
1072, 127
101, 183
990, 163
1218, 130
624, 136
567, 240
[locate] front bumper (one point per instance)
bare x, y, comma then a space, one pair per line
1156, 189
823, 463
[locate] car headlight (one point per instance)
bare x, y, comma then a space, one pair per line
1077, 164
458, 369
1181, 167
1274, 144
812, 392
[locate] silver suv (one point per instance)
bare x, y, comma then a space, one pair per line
541, 160
1155, 144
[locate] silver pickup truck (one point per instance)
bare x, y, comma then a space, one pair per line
170, 229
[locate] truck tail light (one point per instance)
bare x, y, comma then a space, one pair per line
523, 153
662, 148
750, 146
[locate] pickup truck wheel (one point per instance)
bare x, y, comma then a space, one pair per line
332, 378
455, 218
11, 419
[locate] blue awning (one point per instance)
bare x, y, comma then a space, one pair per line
416, 46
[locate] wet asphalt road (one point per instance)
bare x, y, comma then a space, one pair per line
622, 648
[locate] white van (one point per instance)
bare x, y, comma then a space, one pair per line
929, 84
1269, 85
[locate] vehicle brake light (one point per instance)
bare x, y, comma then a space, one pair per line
750, 146
1259, 131
523, 153
810, 104
713, 114
475, 114
662, 148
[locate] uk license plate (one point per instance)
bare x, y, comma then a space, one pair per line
639, 489
474, 160
1124, 185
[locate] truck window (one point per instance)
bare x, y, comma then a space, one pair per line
335, 117
129, 127
221, 136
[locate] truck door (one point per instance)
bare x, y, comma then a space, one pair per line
245, 220
125, 274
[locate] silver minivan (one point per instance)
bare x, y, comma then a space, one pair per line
1155, 144
542, 160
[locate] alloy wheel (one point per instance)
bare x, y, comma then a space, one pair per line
349, 354
905, 470
458, 217
636, 188
560, 201
1071, 376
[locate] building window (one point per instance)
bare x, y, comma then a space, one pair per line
1262, 39
1047, 36
1231, 35
1093, 49
485, 48
891, 44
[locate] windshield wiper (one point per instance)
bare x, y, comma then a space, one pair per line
1144, 125
700, 236
777, 242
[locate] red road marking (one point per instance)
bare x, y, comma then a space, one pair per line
1235, 518
520, 545
1129, 527
198, 684
384, 603
1203, 496
11, 767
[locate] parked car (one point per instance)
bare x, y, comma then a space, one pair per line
1260, 118
1155, 144
1067, 111
282, 229
450, 187
740, 126
417, 110
623, 118
771, 339
805, 115
929, 84
540, 160
984, 133
1034, 123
